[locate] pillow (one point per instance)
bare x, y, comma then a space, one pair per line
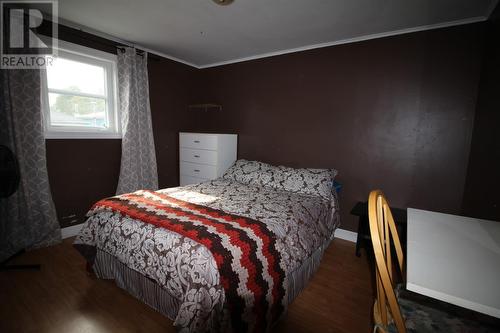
316, 182
252, 173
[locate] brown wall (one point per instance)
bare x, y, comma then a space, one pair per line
481, 197
80, 173
393, 113
84, 171
170, 91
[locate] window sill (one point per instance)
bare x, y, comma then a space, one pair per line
82, 135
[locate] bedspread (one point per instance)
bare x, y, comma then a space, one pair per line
187, 269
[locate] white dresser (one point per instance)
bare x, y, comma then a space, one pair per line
205, 156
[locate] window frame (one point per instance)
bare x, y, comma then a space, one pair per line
94, 57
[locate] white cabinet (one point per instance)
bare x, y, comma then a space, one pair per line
205, 156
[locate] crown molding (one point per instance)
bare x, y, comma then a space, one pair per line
350, 40
285, 51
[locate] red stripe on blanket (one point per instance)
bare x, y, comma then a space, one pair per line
259, 229
221, 228
236, 240
190, 220
182, 228
242, 222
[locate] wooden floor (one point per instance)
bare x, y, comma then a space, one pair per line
62, 297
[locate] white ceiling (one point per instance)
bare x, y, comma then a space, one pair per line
204, 34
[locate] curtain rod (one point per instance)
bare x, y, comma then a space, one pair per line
85, 35
120, 45
96, 33
137, 51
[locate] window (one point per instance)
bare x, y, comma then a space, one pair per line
80, 94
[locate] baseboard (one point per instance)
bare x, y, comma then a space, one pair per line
346, 235
71, 231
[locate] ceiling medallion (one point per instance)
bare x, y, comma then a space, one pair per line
223, 2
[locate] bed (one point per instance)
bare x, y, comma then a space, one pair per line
182, 278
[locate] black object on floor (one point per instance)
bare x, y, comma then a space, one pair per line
9, 183
4, 266
364, 239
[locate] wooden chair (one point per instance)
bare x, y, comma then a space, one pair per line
382, 230
397, 313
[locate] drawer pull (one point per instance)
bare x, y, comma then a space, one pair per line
196, 141
196, 170
197, 156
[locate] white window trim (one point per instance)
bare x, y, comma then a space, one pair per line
105, 59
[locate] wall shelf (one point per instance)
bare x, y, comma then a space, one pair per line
206, 106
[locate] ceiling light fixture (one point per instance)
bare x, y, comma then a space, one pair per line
223, 2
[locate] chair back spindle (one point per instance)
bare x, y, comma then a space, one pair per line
383, 231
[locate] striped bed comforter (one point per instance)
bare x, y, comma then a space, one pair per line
186, 267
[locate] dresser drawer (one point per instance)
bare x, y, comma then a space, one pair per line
198, 141
198, 156
198, 170
187, 180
